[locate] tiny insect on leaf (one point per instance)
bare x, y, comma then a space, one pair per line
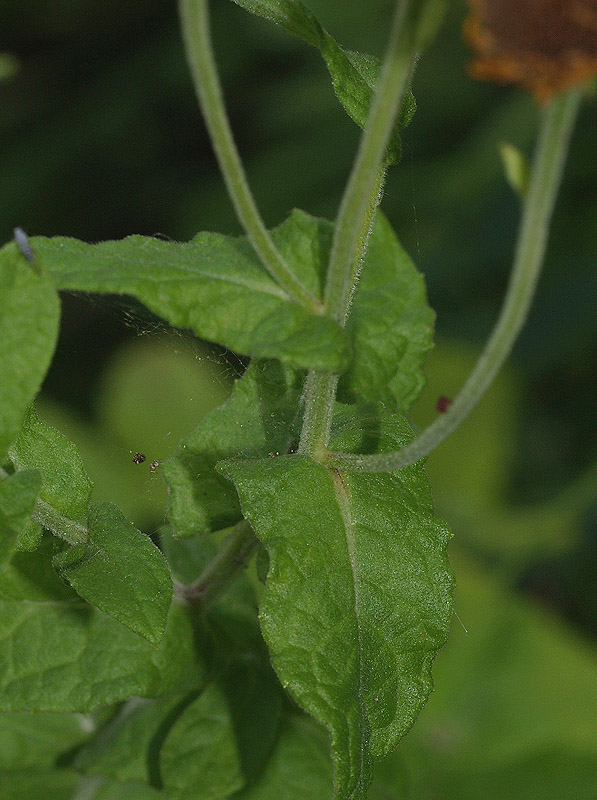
24, 245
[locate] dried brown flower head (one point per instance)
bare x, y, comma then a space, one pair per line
547, 46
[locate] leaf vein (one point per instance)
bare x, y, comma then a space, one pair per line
342, 496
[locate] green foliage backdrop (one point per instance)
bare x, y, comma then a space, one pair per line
100, 138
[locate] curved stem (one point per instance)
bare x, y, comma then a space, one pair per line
194, 16
228, 561
552, 146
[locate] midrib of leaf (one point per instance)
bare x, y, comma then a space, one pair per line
254, 286
191, 273
343, 500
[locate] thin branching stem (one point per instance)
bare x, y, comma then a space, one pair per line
194, 15
557, 123
231, 558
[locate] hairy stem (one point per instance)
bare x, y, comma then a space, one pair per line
554, 136
51, 519
194, 16
63, 527
320, 393
364, 235
356, 214
355, 204
320, 387
230, 559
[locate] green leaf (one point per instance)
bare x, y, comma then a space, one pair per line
126, 748
113, 790
359, 593
35, 741
391, 326
31, 578
18, 494
200, 758
71, 658
29, 319
256, 420
216, 286
66, 486
187, 557
121, 572
238, 655
30, 537
353, 74
58, 654
246, 700
230, 628
299, 767
58, 784
255, 698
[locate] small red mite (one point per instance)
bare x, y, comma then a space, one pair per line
443, 404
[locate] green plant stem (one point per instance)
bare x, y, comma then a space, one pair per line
320, 387
230, 559
556, 127
194, 16
320, 393
51, 519
364, 236
356, 215
63, 527
356, 202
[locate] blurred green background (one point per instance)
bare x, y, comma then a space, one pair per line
101, 137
